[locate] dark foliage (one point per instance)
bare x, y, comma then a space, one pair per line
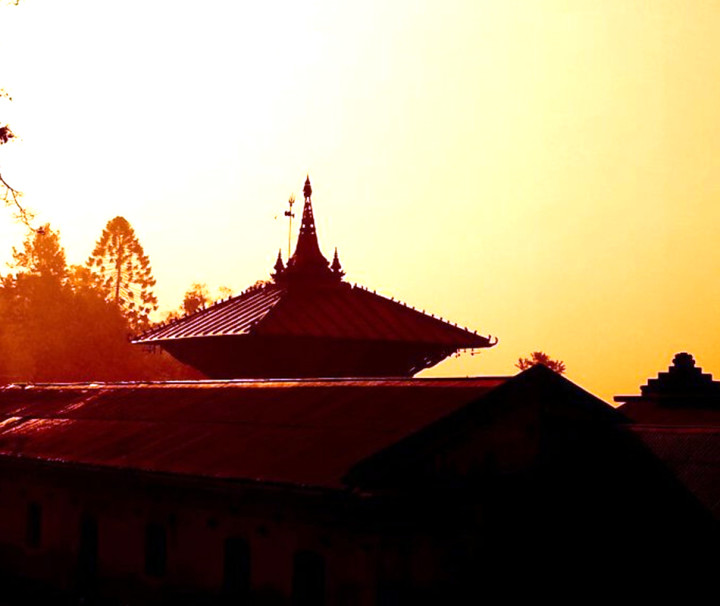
5, 134
59, 326
196, 297
539, 357
123, 274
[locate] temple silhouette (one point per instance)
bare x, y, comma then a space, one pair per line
309, 322
351, 488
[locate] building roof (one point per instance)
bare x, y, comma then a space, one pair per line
308, 433
234, 316
332, 434
677, 417
692, 454
309, 299
683, 395
344, 312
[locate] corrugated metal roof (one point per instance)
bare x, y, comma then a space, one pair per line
299, 432
234, 316
342, 312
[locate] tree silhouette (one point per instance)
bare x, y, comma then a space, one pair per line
59, 325
224, 292
196, 297
123, 272
539, 357
42, 255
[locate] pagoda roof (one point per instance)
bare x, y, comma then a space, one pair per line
309, 322
343, 312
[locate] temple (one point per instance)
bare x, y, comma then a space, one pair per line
309, 322
681, 396
362, 490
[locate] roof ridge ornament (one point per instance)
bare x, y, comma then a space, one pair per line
336, 267
279, 266
290, 215
307, 264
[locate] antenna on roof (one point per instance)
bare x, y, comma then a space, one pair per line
289, 214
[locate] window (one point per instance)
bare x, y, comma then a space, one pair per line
308, 583
155, 550
33, 528
236, 570
88, 550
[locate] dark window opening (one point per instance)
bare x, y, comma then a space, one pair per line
390, 593
236, 570
308, 583
33, 529
88, 550
155, 550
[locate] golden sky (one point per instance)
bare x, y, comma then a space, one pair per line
544, 171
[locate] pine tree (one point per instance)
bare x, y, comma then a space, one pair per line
59, 325
123, 272
42, 255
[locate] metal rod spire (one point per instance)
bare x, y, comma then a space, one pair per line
289, 214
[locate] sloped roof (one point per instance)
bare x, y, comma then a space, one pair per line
692, 454
308, 298
235, 316
342, 312
298, 432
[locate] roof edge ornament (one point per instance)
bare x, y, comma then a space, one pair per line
279, 266
336, 267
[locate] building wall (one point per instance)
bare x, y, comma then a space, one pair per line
522, 488
360, 560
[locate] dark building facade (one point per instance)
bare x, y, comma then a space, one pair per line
345, 491
677, 416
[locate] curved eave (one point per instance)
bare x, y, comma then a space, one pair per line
340, 312
486, 343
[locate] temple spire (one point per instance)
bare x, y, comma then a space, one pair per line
279, 266
308, 261
336, 267
308, 237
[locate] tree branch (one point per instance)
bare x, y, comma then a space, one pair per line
9, 194
12, 197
